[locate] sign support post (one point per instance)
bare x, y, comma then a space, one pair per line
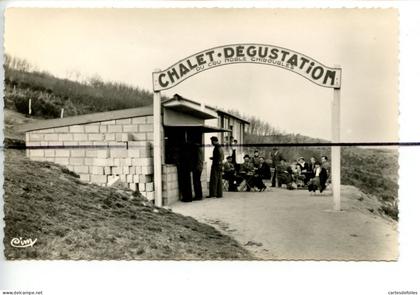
336, 150
157, 148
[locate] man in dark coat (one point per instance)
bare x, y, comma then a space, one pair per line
197, 168
184, 165
216, 185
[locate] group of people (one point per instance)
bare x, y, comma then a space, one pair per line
299, 174
251, 173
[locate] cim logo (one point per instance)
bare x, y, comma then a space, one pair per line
22, 243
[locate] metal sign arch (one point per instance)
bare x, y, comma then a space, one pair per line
303, 65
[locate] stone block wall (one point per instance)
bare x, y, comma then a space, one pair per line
170, 188
103, 153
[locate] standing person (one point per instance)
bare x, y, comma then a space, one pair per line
216, 185
275, 161
197, 168
184, 166
327, 166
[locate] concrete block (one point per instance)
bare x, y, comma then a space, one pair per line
116, 162
132, 170
142, 187
116, 170
80, 136
77, 129
37, 153
102, 162
137, 169
103, 154
61, 129
149, 187
137, 144
62, 153
126, 137
85, 143
100, 179
139, 136
135, 178
145, 152
138, 120
149, 136
133, 153
123, 178
146, 128
130, 128
49, 152
110, 136
146, 161
65, 137
114, 128
97, 170
110, 122
96, 136
92, 128
129, 178
107, 170
76, 161
132, 186
70, 143
126, 169
118, 152
85, 177
77, 153
81, 169
149, 119
36, 137
123, 121
33, 143
89, 161
150, 196
91, 153
103, 129
61, 161
145, 178
147, 170
112, 180
51, 137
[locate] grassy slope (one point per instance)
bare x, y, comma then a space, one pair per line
72, 220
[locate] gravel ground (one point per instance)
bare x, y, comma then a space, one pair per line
293, 225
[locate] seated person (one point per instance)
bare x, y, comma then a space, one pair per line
311, 170
262, 172
298, 178
318, 181
284, 173
304, 170
247, 172
229, 174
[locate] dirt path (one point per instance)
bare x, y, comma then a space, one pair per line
281, 224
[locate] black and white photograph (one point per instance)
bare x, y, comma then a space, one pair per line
201, 134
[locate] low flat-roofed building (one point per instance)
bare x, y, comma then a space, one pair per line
117, 146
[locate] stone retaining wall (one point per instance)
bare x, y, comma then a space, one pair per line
102, 153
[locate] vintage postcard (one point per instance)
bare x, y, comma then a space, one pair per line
201, 134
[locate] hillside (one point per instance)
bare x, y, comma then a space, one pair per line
74, 220
50, 94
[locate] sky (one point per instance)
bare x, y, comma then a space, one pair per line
127, 45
